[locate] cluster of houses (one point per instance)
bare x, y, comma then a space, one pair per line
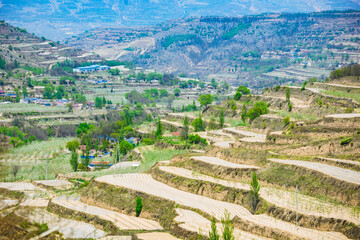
91, 68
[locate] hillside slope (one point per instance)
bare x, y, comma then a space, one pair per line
255, 50
20, 47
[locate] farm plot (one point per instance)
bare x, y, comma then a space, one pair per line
194, 222
145, 183
287, 199
122, 221
220, 162
156, 236
69, 228
19, 186
246, 136
336, 172
55, 183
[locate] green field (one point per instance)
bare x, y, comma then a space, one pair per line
32, 160
24, 107
342, 94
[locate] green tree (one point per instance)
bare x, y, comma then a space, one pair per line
237, 96
243, 90
72, 145
243, 113
287, 94
259, 108
213, 234
227, 227
185, 129
117, 153
205, 100
138, 207
198, 124
159, 129
163, 93
177, 92
74, 160
49, 91
18, 95
214, 84
98, 102
254, 192
125, 147
221, 119
24, 91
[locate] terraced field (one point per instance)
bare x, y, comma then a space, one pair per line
145, 183
286, 199
122, 221
220, 162
194, 222
336, 172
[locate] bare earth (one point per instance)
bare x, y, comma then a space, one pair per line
336, 172
250, 136
156, 236
70, 228
220, 162
145, 183
194, 222
286, 199
19, 186
122, 221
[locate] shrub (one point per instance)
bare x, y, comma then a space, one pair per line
81, 167
228, 227
196, 139
286, 121
237, 96
147, 141
277, 88
346, 141
138, 207
213, 234
259, 108
349, 110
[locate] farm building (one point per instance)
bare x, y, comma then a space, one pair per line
92, 68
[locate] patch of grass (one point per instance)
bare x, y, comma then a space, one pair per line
300, 116
35, 169
151, 157
342, 94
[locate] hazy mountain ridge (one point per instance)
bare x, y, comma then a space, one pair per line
58, 19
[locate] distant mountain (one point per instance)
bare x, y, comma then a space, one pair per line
256, 50
60, 19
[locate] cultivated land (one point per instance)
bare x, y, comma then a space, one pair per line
130, 153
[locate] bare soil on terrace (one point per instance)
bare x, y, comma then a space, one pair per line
286, 199
122, 221
145, 183
336, 172
194, 222
220, 162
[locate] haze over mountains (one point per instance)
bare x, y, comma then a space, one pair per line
60, 19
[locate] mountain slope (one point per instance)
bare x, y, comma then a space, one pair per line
20, 47
254, 50
58, 19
